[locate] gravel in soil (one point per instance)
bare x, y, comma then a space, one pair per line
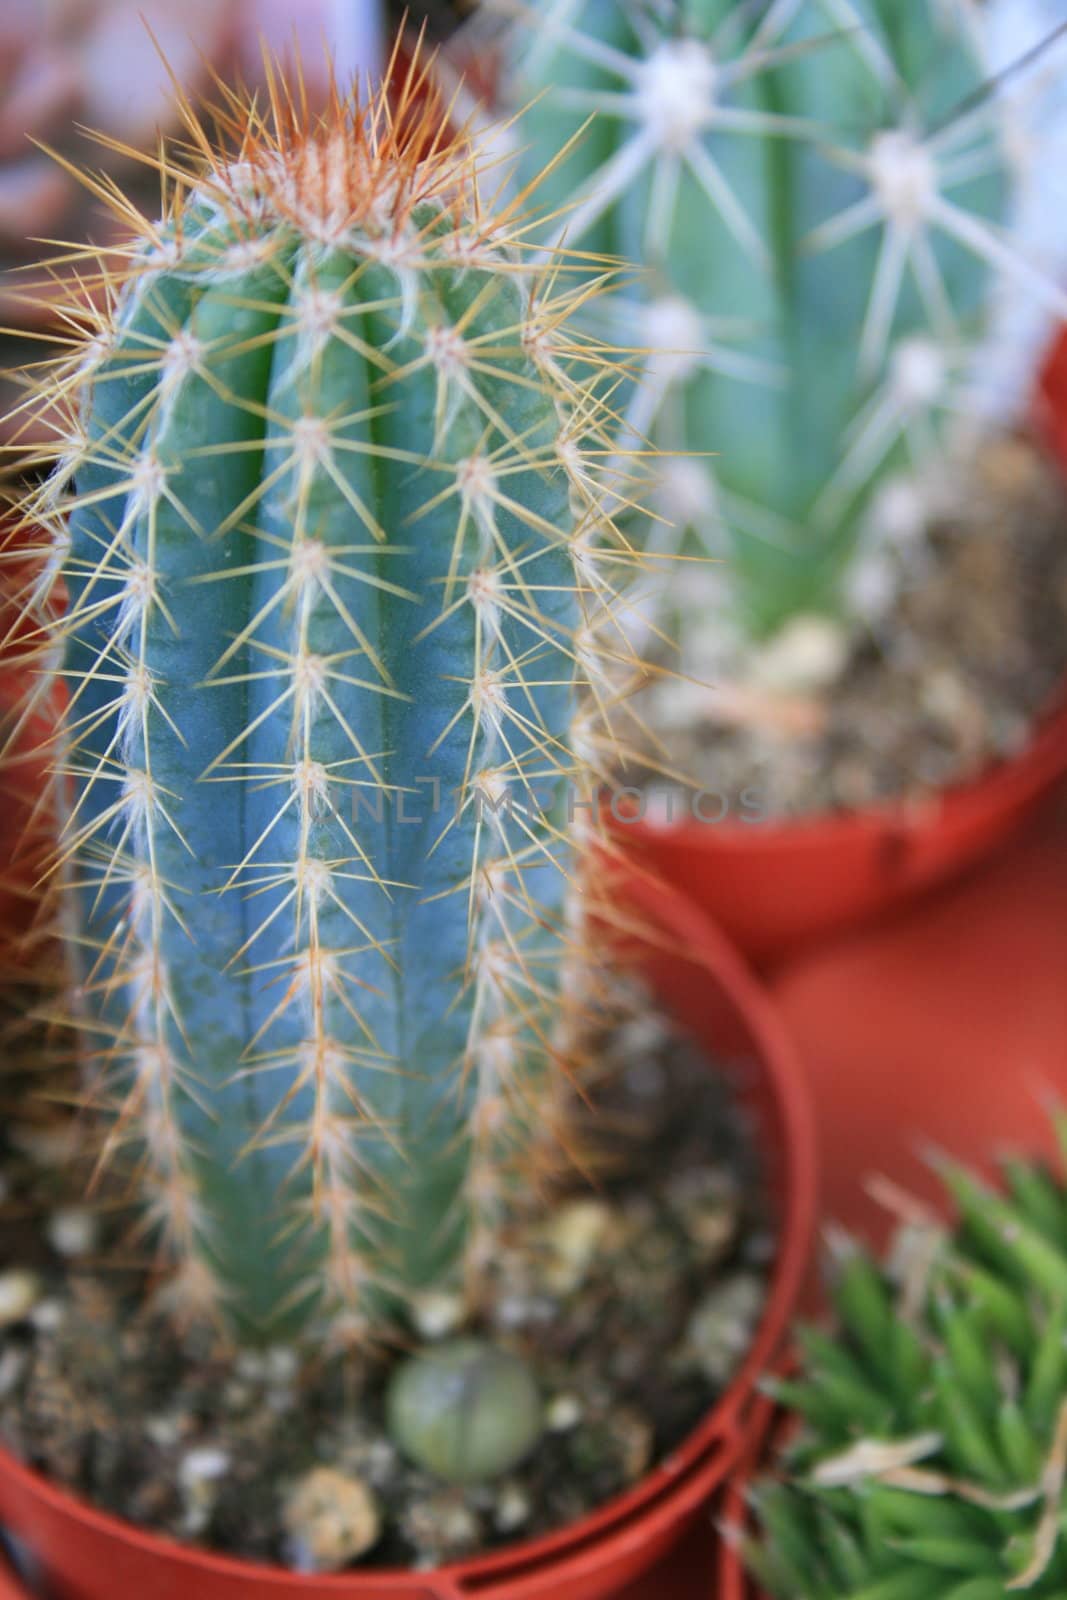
633, 1303
951, 680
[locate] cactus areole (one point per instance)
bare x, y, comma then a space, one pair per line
335, 585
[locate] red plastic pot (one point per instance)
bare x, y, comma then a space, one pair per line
1050, 401
945, 1027
731, 1581
10, 1588
87, 1555
26, 829
775, 887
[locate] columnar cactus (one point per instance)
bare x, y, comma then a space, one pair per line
335, 580
815, 192
931, 1461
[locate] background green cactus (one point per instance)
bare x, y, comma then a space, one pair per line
815, 192
334, 593
932, 1458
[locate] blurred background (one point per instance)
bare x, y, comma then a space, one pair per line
70, 65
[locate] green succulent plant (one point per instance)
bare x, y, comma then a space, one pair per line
817, 194
337, 583
930, 1461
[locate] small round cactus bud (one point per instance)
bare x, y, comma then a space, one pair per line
466, 1411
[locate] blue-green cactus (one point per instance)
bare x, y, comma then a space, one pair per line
334, 595
815, 192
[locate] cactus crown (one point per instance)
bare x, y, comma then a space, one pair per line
336, 589
932, 1456
814, 190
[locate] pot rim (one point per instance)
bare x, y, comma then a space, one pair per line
998, 783
732, 1582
